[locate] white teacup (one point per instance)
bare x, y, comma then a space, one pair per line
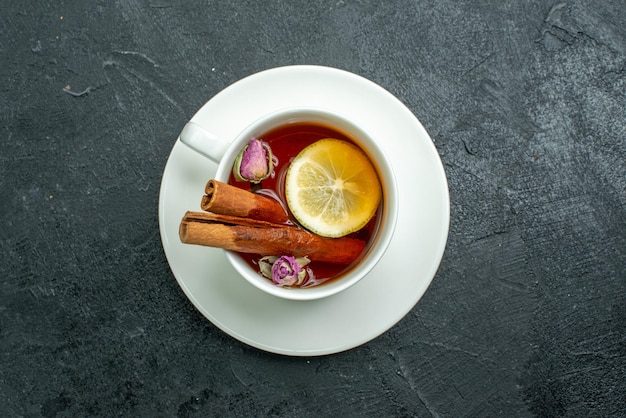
224, 153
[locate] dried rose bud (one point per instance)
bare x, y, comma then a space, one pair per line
284, 270
255, 162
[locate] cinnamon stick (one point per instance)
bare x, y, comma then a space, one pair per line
265, 238
225, 199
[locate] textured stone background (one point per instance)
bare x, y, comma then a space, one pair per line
526, 103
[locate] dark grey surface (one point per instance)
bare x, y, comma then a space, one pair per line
526, 103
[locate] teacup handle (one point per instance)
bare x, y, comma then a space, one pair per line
204, 142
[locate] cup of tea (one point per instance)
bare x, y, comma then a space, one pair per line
287, 132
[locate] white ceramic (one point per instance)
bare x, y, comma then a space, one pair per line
379, 300
224, 153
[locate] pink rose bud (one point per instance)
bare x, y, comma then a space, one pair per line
255, 162
284, 270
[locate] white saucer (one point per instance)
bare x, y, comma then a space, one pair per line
378, 301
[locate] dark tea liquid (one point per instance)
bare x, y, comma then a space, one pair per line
286, 142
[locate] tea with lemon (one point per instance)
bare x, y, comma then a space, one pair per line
327, 183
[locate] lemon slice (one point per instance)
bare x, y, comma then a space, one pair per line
332, 188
